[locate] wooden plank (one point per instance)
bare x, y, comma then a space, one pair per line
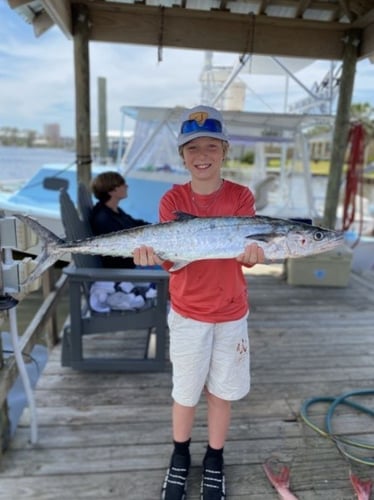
214, 30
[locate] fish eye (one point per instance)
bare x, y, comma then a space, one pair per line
318, 236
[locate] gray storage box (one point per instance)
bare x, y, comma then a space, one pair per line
325, 269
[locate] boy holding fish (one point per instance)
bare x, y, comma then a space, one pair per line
209, 346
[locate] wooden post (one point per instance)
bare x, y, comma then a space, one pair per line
82, 92
4, 428
4, 414
103, 141
51, 327
341, 130
4, 411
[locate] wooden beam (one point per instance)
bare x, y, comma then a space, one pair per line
82, 93
302, 7
347, 12
341, 130
366, 23
262, 7
365, 20
60, 12
367, 42
13, 4
214, 30
223, 5
320, 5
41, 23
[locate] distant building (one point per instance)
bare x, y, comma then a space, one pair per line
114, 141
52, 134
320, 147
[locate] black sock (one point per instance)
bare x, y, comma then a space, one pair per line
182, 450
213, 458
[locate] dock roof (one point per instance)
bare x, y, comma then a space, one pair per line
269, 27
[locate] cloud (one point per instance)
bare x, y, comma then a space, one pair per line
135, 77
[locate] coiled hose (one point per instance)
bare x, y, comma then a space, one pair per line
343, 443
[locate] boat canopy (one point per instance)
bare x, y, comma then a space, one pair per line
153, 146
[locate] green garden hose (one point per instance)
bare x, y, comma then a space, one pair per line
343, 443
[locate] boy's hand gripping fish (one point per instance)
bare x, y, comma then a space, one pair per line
190, 238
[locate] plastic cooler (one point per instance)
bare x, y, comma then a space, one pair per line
330, 268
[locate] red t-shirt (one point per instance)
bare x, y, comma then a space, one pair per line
211, 290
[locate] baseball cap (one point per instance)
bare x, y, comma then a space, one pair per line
201, 121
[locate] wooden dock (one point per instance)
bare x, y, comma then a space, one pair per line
107, 436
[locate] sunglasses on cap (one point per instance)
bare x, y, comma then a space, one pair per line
209, 125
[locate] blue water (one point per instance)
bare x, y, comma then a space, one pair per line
22, 163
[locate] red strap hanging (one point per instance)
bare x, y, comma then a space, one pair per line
356, 140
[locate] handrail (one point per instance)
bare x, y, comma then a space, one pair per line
9, 370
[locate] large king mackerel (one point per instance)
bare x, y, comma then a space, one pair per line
190, 238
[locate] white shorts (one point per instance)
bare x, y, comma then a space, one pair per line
215, 355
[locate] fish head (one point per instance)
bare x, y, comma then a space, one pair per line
309, 240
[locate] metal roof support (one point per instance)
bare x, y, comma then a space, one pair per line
307, 174
82, 93
341, 130
102, 119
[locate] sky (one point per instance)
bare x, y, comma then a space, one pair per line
37, 78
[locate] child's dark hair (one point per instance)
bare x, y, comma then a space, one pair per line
103, 183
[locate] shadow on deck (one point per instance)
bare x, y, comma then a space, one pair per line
108, 435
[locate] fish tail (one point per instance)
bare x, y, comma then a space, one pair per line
50, 252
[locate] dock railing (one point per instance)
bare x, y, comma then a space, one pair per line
44, 320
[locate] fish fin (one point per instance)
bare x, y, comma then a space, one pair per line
361, 487
278, 479
180, 264
266, 237
49, 255
42, 263
184, 216
43, 232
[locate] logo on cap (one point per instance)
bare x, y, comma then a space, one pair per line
199, 117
